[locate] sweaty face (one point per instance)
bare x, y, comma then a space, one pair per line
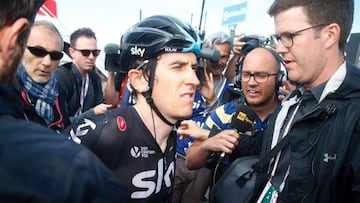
218, 67
258, 94
84, 63
40, 69
175, 84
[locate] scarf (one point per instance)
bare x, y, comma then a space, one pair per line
43, 95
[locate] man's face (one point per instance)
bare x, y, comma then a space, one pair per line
305, 60
258, 94
217, 68
40, 69
83, 62
175, 84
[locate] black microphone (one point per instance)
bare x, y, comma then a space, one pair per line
112, 57
242, 120
212, 54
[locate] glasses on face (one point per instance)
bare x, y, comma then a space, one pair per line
259, 77
87, 52
287, 38
41, 52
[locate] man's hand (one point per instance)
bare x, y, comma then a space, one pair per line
101, 108
207, 90
190, 128
286, 88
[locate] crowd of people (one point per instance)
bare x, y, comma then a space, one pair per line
163, 131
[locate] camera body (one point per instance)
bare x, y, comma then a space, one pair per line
253, 41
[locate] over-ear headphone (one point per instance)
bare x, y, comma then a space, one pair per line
282, 71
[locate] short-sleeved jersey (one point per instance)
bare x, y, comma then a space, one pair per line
122, 141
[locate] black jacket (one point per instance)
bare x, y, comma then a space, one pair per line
324, 148
69, 84
40, 165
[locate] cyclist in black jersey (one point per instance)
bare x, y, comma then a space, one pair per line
138, 143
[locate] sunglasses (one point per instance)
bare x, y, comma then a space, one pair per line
86, 52
41, 52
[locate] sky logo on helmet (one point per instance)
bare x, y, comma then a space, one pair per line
137, 51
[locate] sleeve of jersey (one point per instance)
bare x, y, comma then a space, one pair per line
97, 133
221, 117
86, 131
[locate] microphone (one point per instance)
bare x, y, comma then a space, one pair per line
212, 54
242, 120
112, 57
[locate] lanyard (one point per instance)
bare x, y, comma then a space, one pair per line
84, 90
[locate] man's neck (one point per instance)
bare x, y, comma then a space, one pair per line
265, 110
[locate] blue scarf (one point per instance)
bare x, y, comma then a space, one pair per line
43, 95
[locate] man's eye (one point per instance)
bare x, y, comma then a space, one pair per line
261, 75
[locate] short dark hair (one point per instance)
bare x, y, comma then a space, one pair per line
87, 32
340, 12
11, 10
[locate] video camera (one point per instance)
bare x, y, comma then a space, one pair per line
253, 41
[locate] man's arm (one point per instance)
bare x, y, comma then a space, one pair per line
230, 71
111, 96
198, 153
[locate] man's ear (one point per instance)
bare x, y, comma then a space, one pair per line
137, 80
9, 35
332, 34
71, 52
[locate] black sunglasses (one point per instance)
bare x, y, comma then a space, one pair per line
86, 52
41, 52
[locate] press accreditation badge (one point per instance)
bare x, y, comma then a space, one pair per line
269, 194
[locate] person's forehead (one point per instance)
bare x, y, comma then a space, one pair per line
259, 59
290, 20
85, 42
45, 37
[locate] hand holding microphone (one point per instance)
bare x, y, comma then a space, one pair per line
242, 120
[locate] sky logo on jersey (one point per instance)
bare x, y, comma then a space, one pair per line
121, 123
151, 182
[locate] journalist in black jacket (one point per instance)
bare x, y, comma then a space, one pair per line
321, 118
324, 151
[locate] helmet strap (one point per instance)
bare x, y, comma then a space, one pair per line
148, 93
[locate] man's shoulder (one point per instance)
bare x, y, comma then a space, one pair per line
32, 153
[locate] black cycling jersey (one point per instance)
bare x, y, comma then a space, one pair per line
122, 141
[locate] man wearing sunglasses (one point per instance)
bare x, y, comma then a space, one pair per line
79, 84
35, 80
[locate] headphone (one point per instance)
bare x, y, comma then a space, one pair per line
247, 49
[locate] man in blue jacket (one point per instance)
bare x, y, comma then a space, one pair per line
37, 164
